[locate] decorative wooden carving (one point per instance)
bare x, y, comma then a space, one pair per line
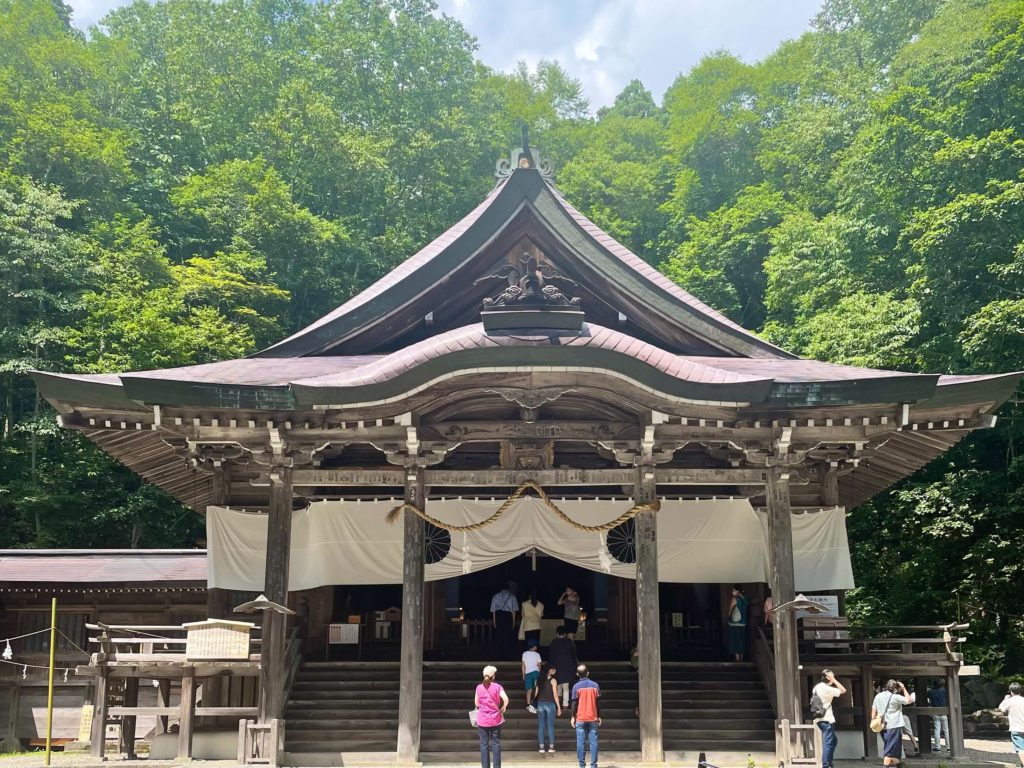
527, 454
529, 285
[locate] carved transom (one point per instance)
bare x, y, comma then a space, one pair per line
523, 454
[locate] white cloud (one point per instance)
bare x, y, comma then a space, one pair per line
606, 43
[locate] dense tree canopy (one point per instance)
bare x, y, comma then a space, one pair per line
195, 179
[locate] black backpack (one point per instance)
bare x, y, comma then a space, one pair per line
817, 706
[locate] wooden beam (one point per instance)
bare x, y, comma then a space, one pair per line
411, 654
186, 720
394, 476
98, 733
782, 582
648, 618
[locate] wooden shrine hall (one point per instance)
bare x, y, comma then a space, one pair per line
522, 349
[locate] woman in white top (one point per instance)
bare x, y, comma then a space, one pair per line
533, 612
888, 705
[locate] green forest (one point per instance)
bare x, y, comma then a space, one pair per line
193, 180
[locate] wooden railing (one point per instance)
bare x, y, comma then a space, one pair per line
292, 660
764, 660
133, 652
474, 632
146, 642
861, 655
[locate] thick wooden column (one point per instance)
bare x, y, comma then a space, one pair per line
129, 722
782, 583
411, 693
217, 600
648, 619
279, 540
186, 718
98, 732
956, 714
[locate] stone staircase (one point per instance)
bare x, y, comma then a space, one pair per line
352, 708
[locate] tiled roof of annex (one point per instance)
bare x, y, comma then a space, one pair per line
171, 567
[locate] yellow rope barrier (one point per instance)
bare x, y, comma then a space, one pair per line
529, 485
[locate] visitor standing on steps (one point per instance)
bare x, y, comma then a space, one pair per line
586, 715
533, 612
531, 672
738, 623
504, 608
547, 707
491, 701
562, 655
827, 690
570, 599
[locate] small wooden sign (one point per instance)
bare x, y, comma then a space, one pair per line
85, 724
217, 639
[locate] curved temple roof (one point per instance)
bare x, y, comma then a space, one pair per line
284, 383
593, 252
416, 331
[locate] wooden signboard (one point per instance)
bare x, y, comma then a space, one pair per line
217, 639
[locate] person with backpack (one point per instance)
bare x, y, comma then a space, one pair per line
822, 696
738, 623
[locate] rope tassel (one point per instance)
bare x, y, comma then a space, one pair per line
529, 485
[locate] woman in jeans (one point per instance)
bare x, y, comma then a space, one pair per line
491, 702
548, 708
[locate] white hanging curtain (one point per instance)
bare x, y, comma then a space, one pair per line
335, 542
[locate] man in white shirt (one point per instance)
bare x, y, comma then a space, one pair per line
828, 690
531, 671
1013, 705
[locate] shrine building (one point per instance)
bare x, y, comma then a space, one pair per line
524, 400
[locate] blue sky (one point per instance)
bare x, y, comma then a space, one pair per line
607, 43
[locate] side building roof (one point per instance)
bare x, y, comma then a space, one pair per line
79, 569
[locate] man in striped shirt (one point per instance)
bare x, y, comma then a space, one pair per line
586, 715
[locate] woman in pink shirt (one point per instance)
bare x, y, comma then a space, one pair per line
491, 702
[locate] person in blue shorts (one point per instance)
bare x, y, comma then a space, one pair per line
1013, 706
531, 671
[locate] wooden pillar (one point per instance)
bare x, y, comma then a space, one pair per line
782, 582
11, 742
648, 616
128, 722
411, 692
867, 696
218, 600
186, 719
956, 714
924, 722
272, 647
98, 734
163, 699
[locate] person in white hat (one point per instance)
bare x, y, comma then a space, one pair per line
491, 701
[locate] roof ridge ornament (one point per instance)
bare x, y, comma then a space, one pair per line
525, 156
529, 284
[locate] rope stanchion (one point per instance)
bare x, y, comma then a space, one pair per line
529, 485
